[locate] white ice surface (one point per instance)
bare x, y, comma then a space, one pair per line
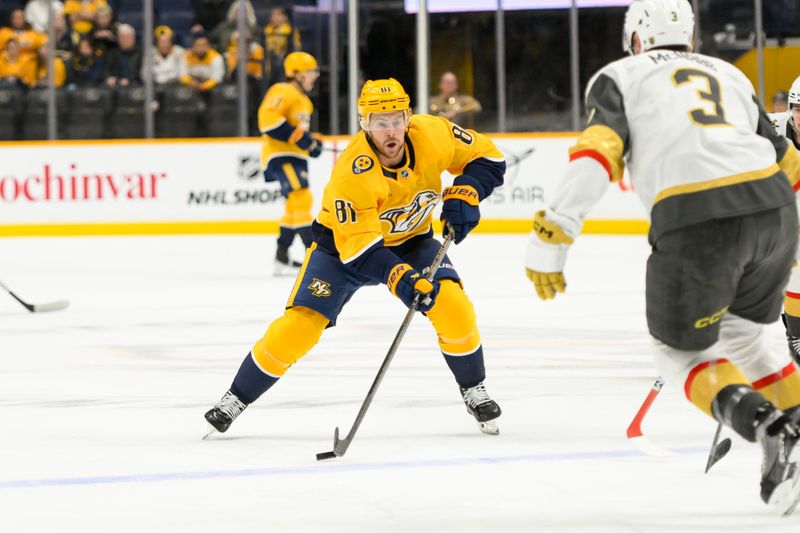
101, 405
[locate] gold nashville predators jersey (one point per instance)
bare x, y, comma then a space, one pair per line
283, 103
365, 202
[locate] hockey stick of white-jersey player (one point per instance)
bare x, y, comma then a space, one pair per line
635, 434
340, 445
642, 443
37, 308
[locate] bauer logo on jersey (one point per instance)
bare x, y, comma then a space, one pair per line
410, 217
320, 288
362, 164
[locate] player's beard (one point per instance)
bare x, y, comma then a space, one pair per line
393, 151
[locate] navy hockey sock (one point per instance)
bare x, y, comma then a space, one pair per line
306, 235
467, 369
250, 381
286, 237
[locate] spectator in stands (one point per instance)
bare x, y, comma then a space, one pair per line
15, 69
254, 65
221, 35
82, 14
59, 69
208, 14
37, 12
280, 38
124, 64
87, 66
66, 39
105, 29
780, 102
167, 57
202, 67
29, 40
458, 108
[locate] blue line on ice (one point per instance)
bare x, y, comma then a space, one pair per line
333, 467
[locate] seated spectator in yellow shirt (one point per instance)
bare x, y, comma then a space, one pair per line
59, 70
15, 69
455, 107
29, 40
281, 38
202, 67
254, 65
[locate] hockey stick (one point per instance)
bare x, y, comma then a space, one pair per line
635, 434
37, 308
718, 449
340, 445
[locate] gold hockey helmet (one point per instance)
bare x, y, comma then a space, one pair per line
299, 62
382, 96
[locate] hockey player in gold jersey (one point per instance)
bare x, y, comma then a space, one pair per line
284, 118
376, 227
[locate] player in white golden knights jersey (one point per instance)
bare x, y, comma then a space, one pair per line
787, 124
707, 164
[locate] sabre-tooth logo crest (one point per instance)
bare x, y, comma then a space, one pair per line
320, 288
410, 217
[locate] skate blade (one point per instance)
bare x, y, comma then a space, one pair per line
786, 495
209, 431
489, 427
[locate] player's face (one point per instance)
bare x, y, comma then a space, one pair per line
307, 79
796, 117
388, 132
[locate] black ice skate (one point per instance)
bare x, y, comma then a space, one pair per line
780, 471
794, 342
483, 408
222, 415
285, 266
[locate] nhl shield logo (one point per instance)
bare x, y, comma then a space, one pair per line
404, 173
320, 288
362, 164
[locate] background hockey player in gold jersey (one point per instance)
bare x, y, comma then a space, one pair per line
284, 119
376, 227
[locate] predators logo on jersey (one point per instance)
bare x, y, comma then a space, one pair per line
362, 164
410, 217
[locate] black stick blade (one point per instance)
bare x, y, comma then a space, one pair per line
325, 455
718, 453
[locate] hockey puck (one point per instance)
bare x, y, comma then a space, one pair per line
325, 455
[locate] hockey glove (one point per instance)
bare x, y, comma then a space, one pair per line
315, 148
460, 209
546, 255
406, 283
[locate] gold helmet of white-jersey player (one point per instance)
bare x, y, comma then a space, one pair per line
299, 62
658, 23
382, 96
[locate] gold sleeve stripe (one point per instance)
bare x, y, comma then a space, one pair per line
790, 164
716, 183
296, 135
605, 146
706, 380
